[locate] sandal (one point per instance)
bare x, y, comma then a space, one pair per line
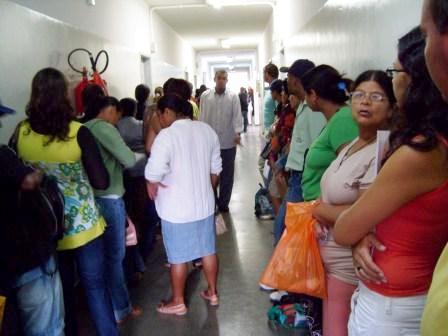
135, 312
179, 309
213, 299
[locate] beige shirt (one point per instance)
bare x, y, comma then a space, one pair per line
341, 184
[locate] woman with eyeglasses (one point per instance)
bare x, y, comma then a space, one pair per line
372, 103
406, 206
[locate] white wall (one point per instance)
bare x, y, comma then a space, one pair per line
124, 22
355, 35
266, 46
39, 41
291, 15
173, 55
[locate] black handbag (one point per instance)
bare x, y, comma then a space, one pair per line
266, 151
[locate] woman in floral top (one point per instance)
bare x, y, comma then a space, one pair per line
51, 141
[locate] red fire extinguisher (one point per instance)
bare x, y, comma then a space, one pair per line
96, 76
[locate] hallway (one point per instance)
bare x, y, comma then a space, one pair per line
243, 251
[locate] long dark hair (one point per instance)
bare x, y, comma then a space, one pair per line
142, 92
328, 83
424, 112
99, 104
179, 105
49, 111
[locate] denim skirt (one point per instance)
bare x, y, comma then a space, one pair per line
185, 242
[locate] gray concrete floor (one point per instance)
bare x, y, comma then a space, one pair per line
243, 251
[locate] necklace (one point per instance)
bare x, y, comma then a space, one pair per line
349, 152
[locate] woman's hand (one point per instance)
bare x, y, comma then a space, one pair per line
152, 189
282, 183
365, 269
32, 180
321, 231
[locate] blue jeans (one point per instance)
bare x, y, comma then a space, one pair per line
40, 300
114, 213
90, 264
293, 194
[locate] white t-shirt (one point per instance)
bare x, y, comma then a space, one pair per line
182, 158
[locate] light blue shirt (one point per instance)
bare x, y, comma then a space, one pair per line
269, 106
307, 127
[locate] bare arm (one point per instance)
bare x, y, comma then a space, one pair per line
406, 175
215, 181
152, 130
327, 214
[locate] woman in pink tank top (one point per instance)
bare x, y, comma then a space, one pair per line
406, 205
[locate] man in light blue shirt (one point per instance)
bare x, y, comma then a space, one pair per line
307, 127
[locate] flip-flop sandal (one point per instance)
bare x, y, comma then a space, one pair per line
213, 299
179, 309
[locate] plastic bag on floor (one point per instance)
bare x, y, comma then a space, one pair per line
296, 265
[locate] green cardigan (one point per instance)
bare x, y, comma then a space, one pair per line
115, 153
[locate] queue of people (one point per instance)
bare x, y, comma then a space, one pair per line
380, 220
124, 168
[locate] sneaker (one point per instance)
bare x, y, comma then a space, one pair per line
277, 295
266, 217
266, 288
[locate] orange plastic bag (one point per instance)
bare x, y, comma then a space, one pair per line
296, 265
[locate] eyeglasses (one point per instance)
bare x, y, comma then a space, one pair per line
390, 71
372, 96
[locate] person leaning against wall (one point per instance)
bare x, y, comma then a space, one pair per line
270, 74
405, 205
326, 91
307, 126
434, 25
345, 180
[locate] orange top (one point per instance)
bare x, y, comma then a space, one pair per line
414, 236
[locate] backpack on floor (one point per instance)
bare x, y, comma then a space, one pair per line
263, 207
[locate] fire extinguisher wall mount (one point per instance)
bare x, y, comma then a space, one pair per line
96, 75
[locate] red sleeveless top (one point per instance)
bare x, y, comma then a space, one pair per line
414, 236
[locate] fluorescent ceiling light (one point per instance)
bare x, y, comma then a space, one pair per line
218, 4
225, 44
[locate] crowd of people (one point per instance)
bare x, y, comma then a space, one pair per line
123, 167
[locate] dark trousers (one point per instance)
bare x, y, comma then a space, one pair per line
226, 177
245, 120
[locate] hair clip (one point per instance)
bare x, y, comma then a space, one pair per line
342, 86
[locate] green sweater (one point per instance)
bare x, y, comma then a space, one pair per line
116, 155
341, 129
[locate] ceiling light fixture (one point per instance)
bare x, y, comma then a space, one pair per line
215, 4
225, 43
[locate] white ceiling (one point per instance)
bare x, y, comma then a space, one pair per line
204, 27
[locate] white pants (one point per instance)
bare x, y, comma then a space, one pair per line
377, 315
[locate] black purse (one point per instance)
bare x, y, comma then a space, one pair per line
266, 151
